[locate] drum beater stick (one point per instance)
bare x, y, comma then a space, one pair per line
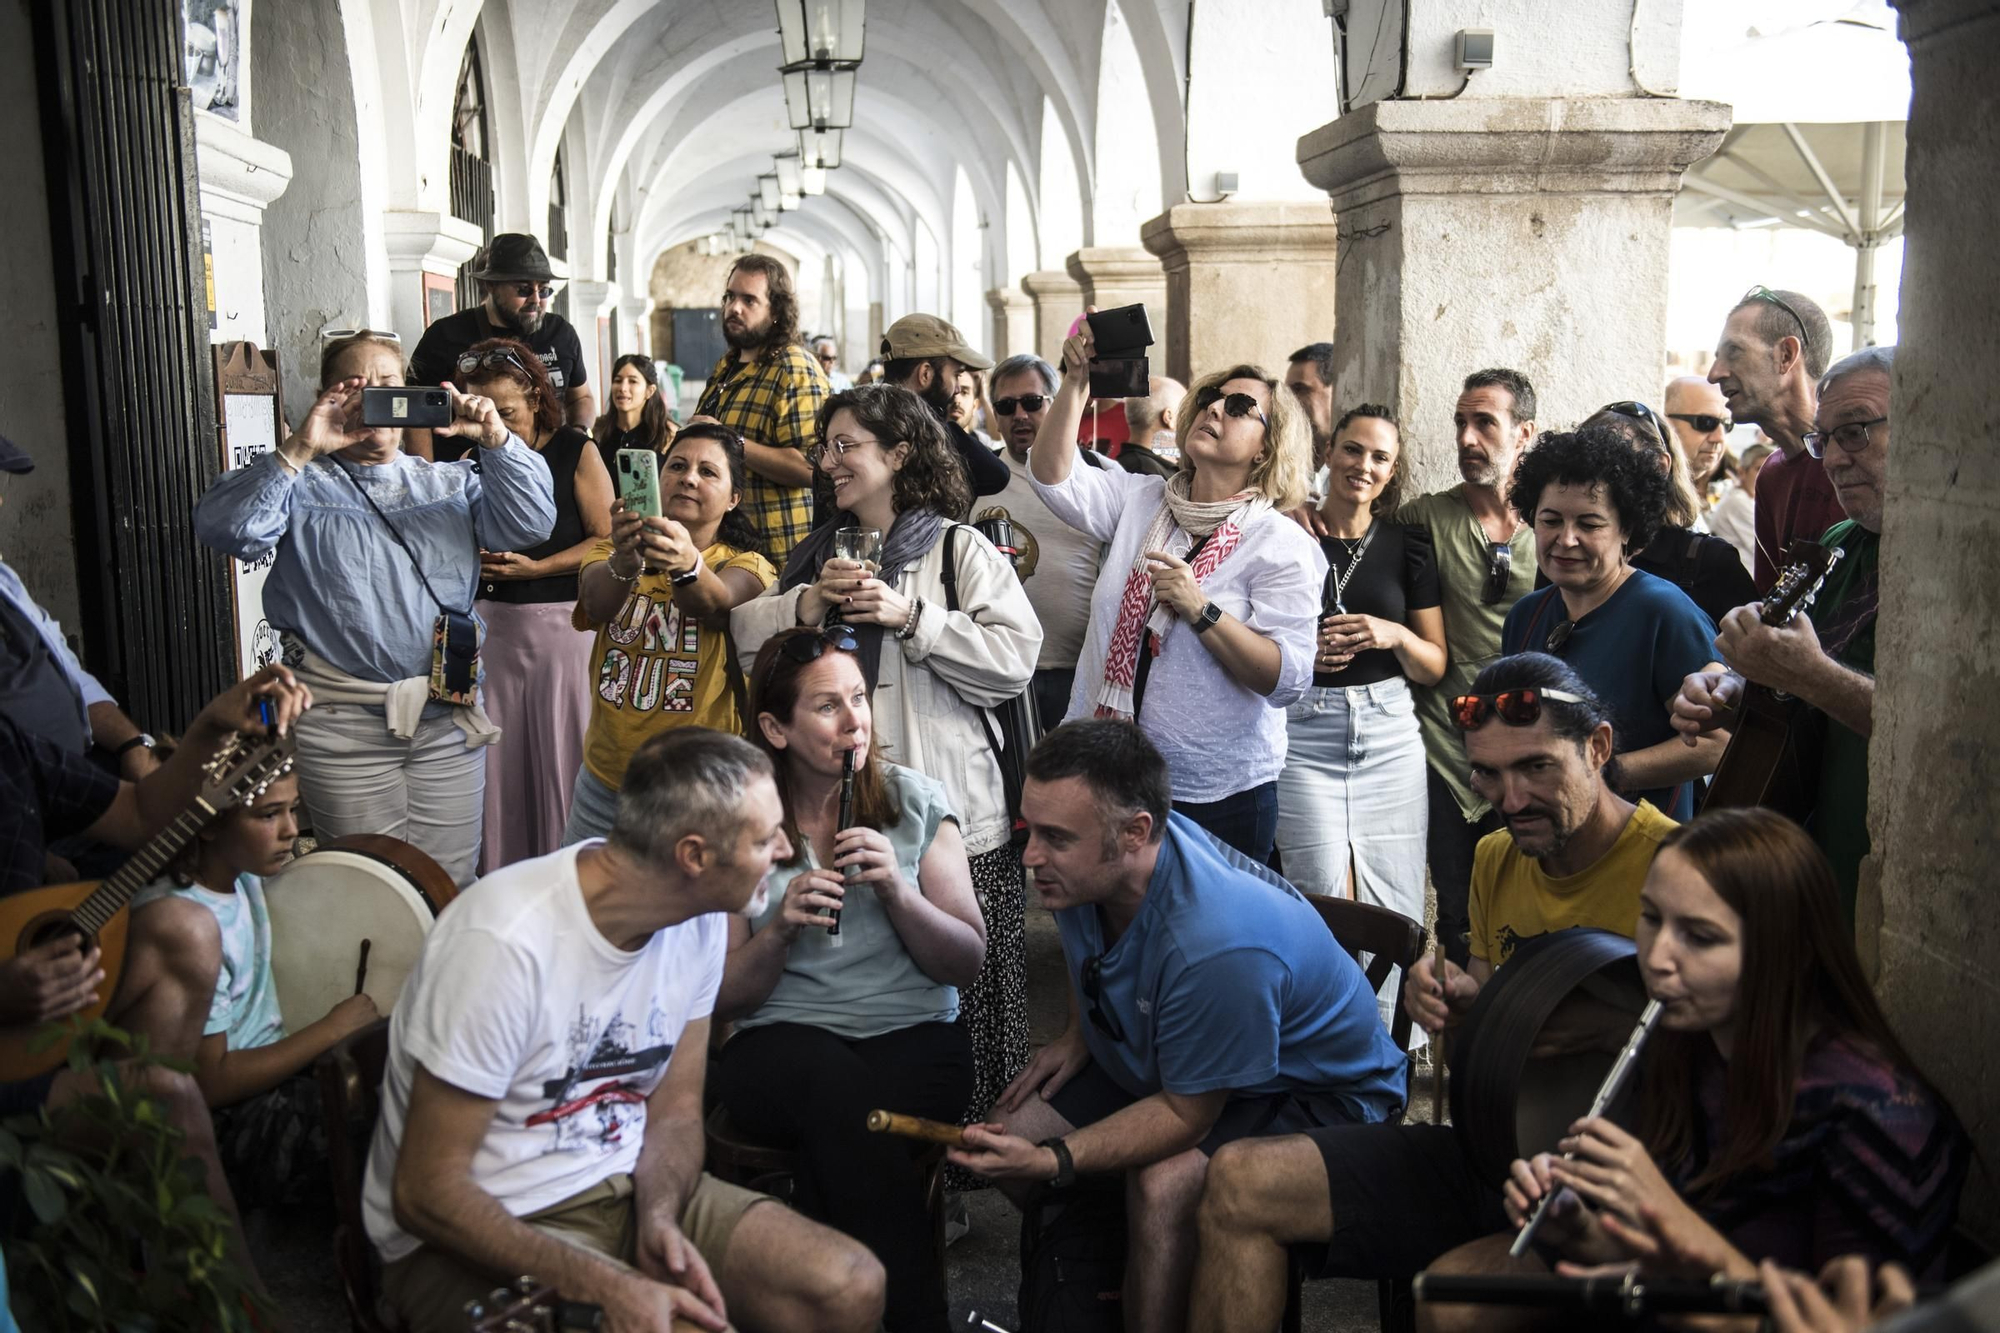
361, 969
1614, 1083
1437, 1042
916, 1127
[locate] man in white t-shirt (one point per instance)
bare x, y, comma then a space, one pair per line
1058, 564
542, 1106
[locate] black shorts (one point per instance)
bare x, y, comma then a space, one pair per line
1094, 1094
1402, 1195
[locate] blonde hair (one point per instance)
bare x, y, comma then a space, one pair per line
1283, 474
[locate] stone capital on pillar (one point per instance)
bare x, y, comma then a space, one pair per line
1114, 276
1058, 301
241, 176
1013, 322
589, 302
1246, 282
420, 244
637, 314
1523, 232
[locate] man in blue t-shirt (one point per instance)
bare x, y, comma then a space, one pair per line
1210, 1003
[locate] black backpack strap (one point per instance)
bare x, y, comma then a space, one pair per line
950, 577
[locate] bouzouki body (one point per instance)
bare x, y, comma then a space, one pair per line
99, 911
1773, 756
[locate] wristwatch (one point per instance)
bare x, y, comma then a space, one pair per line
1208, 618
685, 577
1065, 1164
134, 743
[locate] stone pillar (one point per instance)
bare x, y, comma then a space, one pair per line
588, 303
1245, 282
877, 326
1523, 232
1058, 301
635, 330
241, 176
1013, 323
1123, 275
1926, 893
423, 245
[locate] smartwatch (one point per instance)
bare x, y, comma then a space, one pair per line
1065, 1164
685, 577
1209, 617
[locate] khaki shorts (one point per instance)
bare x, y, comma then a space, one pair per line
429, 1288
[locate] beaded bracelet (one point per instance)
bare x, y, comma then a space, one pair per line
616, 577
909, 629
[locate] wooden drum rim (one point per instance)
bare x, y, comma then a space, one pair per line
425, 875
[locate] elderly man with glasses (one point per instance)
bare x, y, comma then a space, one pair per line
1774, 346
514, 273
1826, 658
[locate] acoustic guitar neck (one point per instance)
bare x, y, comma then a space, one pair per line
111, 896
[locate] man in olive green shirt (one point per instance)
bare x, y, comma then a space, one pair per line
1485, 562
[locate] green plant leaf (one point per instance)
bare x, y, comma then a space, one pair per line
44, 1196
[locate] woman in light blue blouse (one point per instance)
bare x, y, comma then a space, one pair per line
830, 1025
373, 548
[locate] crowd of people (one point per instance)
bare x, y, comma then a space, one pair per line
755, 822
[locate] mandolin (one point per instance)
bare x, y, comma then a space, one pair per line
1771, 759
95, 911
531, 1307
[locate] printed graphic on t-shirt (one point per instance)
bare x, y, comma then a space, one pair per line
1510, 940
651, 662
599, 1117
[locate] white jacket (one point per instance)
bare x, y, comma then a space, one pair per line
930, 687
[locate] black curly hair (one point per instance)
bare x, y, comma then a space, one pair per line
736, 529
931, 477
1594, 456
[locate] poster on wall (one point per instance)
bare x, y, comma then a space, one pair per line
246, 379
209, 29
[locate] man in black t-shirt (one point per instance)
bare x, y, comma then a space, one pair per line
515, 274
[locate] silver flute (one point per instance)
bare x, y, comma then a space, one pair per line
1607, 1092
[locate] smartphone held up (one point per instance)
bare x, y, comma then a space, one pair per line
399, 405
1119, 369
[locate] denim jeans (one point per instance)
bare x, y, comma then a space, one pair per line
1247, 821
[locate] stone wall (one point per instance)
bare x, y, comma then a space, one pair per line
1927, 902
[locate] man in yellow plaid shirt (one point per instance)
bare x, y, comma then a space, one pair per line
768, 389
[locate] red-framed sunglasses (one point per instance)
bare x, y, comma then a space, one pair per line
1517, 708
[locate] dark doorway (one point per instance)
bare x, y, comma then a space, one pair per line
698, 341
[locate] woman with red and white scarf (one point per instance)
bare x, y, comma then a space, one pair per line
1203, 620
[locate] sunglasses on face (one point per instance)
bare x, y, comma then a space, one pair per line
1517, 708
1499, 572
524, 290
808, 648
500, 358
1235, 404
1702, 421
1762, 293
1027, 402
1093, 990
1852, 438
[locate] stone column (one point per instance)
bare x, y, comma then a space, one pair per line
589, 302
241, 176
1245, 282
1123, 275
1058, 301
1524, 232
420, 245
1926, 894
1013, 322
635, 332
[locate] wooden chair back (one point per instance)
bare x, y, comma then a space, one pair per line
1388, 939
350, 1090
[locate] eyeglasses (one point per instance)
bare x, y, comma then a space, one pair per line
1093, 990
839, 447
805, 648
524, 290
373, 335
1761, 293
1558, 638
500, 358
1499, 572
1702, 421
1637, 411
1517, 708
1852, 438
1027, 402
1235, 404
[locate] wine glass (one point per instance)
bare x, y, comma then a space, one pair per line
861, 545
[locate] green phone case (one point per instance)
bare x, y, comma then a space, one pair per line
639, 482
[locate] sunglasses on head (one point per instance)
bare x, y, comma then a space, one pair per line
1027, 402
1702, 421
524, 290
1499, 572
805, 648
1637, 411
1235, 404
1517, 708
373, 335
1762, 293
500, 358
1093, 990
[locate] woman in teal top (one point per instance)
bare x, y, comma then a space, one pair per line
830, 1026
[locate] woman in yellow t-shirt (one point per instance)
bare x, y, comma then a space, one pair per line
658, 594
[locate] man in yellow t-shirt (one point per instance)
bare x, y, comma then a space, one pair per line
1573, 852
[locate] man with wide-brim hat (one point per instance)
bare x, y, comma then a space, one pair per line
924, 354
513, 270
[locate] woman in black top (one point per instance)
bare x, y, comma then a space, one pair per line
1352, 809
537, 666
636, 417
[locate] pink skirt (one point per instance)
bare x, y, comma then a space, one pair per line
537, 691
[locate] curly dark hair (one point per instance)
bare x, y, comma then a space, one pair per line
736, 529
1594, 456
932, 477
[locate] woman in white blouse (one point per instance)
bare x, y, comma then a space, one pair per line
1202, 623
